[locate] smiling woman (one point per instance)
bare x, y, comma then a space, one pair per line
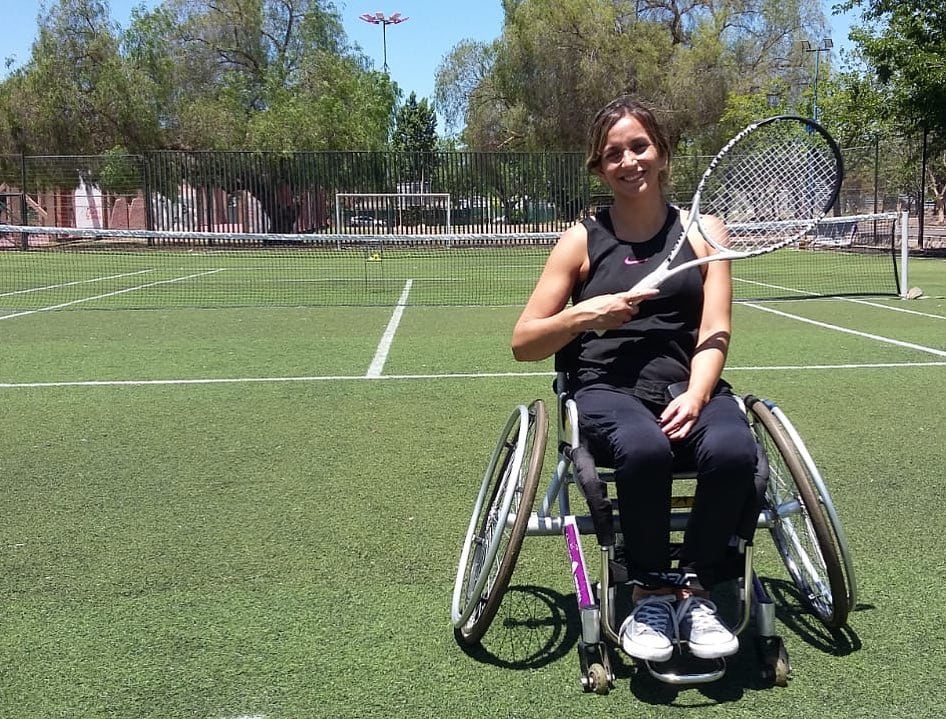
645, 370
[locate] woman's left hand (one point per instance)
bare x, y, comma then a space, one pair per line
680, 415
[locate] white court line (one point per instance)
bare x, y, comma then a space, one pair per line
70, 284
109, 294
895, 309
856, 333
384, 346
806, 295
360, 279
768, 285
412, 377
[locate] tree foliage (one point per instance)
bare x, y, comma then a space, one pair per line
558, 62
76, 95
231, 74
904, 42
415, 126
415, 139
464, 81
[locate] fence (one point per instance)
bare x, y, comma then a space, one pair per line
298, 193
339, 192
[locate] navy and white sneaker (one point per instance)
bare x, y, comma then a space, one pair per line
650, 629
700, 626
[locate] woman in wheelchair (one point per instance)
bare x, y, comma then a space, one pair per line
645, 370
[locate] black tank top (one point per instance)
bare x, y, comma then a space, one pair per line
653, 350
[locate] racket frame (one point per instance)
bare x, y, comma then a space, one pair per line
664, 271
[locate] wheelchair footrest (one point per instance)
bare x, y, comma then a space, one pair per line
683, 669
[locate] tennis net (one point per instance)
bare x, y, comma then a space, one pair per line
46, 268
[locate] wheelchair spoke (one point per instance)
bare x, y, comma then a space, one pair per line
801, 530
499, 522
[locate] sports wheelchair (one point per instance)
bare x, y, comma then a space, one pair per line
796, 509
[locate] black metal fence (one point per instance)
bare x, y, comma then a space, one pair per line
365, 192
357, 192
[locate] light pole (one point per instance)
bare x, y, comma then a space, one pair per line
379, 18
825, 46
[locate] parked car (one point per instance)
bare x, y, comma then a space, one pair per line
366, 221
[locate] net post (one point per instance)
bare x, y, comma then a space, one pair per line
904, 253
24, 209
146, 167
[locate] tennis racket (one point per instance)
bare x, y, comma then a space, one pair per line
769, 187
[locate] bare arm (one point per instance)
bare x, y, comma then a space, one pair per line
547, 323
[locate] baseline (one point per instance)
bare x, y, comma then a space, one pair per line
415, 377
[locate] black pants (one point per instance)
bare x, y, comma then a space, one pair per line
622, 431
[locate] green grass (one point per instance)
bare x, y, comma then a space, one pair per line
286, 548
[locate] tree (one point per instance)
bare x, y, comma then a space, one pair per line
904, 41
415, 139
463, 81
556, 63
232, 74
274, 74
415, 127
76, 95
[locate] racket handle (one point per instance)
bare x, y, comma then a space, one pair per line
651, 282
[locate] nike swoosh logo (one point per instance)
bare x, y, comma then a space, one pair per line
633, 261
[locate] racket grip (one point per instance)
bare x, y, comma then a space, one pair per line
651, 282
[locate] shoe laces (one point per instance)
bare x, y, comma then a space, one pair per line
655, 613
701, 614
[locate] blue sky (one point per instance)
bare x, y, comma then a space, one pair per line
414, 48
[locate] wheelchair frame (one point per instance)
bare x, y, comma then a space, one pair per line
797, 511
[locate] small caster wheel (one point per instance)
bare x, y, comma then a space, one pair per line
783, 669
776, 668
598, 679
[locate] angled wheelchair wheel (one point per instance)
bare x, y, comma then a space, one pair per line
804, 525
499, 522
824, 499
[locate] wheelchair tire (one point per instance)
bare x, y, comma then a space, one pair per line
826, 503
493, 539
803, 532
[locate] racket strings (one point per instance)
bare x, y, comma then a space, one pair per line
769, 191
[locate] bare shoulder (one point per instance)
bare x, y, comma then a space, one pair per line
709, 225
573, 243
575, 233
568, 260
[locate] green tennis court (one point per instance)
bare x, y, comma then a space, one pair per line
254, 508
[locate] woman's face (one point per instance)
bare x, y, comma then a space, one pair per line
631, 164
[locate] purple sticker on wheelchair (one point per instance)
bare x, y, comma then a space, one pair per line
579, 569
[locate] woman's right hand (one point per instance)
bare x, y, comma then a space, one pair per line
608, 312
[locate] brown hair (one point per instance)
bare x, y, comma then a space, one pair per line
607, 117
